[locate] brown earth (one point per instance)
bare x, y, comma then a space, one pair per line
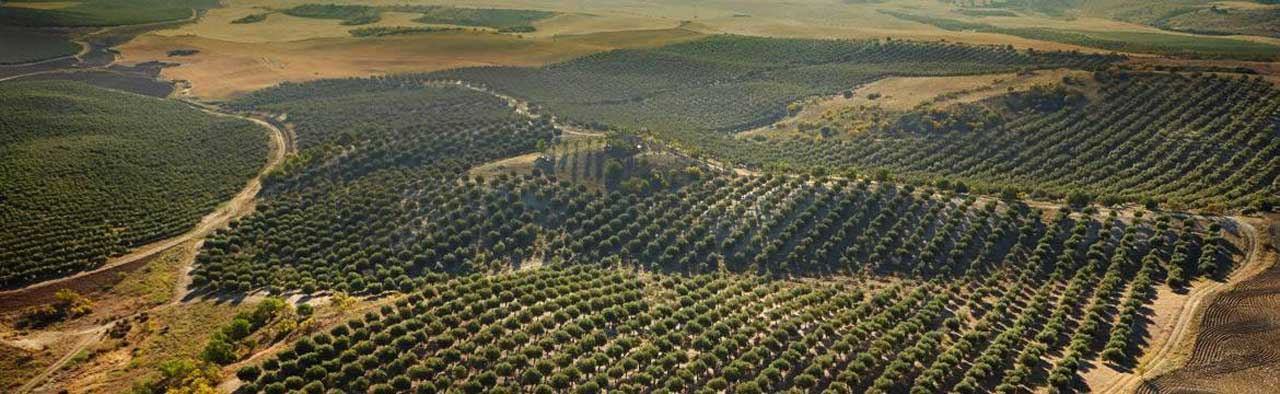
224, 68
89, 331
1235, 347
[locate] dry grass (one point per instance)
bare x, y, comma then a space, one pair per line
1267, 70
518, 165
216, 24
899, 94
1246, 5
236, 58
632, 38
576, 23
798, 18
168, 333
224, 68
17, 365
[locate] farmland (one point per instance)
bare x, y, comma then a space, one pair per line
660, 196
103, 12
711, 84
693, 105
225, 69
821, 228
26, 47
50, 206
1160, 43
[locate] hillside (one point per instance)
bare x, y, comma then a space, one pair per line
650, 197
90, 173
693, 94
754, 244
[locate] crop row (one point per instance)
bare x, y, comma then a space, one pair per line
733, 82
86, 174
1183, 141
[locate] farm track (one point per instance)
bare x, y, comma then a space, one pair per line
82, 61
1234, 350
84, 49
1194, 311
239, 206
1188, 317
521, 107
90, 337
1199, 306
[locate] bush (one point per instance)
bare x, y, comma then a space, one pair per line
219, 352
248, 373
67, 304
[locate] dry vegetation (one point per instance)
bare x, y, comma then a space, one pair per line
237, 58
225, 68
117, 297
883, 99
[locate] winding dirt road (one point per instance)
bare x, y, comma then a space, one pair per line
89, 337
1189, 316
239, 206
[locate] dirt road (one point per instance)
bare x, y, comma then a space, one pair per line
1235, 335
90, 337
1189, 316
242, 204
237, 207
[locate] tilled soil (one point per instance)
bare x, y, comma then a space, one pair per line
1238, 347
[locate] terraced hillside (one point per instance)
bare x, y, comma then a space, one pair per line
86, 174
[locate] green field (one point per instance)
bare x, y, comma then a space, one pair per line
495, 18
87, 173
737, 82
348, 14
1136, 42
105, 13
1193, 16
397, 31
20, 46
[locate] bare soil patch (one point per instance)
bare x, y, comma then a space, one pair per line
224, 68
1235, 343
882, 98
